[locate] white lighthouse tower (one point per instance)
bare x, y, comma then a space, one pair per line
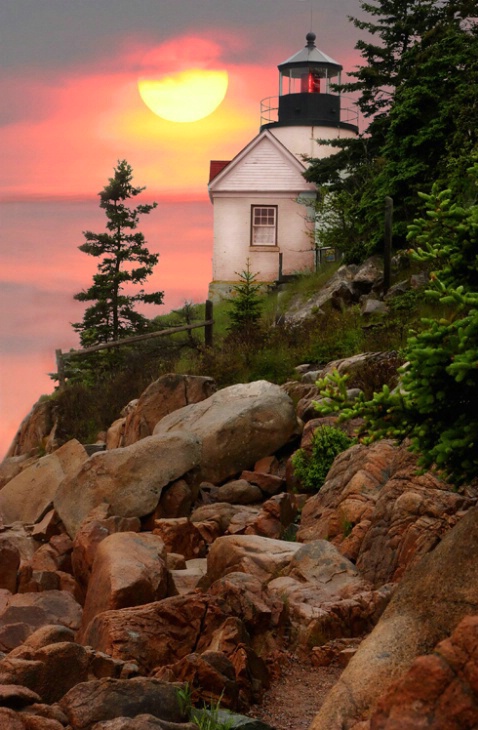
257, 215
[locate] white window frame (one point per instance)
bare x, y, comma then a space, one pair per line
264, 225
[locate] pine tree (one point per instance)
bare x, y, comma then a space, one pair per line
124, 261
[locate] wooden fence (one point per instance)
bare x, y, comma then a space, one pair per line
208, 325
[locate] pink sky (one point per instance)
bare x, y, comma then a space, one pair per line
68, 122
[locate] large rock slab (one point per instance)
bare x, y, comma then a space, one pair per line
104, 699
49, 671
258, 556
13, 465
24, 613
27, 497
129, 570
129, 479
440, 690
236, 426
325, 596
98, 525
432, 598
167, 394
155, 634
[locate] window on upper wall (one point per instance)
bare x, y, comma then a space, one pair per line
264, 225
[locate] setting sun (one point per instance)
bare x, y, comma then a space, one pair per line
186, 96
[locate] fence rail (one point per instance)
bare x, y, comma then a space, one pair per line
208, 325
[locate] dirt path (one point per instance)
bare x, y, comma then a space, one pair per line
296, 696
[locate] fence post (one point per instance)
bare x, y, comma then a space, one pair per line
60, 368
208, 328
387, 252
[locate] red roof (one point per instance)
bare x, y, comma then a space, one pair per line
216, 167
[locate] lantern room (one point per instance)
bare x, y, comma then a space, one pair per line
306, 93
308, 72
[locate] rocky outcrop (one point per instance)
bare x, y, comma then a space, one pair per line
177, 550
236, 426
345, 287
367, 371
50, 671
258, 556
36, 430
130, 480
97, 526
379, 512
432, 598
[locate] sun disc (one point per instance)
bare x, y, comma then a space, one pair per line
186, 96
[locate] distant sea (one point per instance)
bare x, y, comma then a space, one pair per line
41, 269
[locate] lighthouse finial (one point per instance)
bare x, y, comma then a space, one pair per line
310, 38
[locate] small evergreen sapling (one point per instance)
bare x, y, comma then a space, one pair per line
246, 306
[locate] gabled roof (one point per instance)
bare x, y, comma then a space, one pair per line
265, 164
216, 166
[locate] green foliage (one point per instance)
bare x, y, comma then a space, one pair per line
312, 468
337, 224
123, 261
212, 718
418, 86
184, 695
435, 405
93, 398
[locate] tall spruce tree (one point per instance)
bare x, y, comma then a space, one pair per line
124, 262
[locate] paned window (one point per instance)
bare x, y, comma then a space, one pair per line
264, 225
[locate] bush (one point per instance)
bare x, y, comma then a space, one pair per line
312, 468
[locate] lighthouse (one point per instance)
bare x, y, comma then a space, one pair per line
258, 197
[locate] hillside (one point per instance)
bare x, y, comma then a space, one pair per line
196, 556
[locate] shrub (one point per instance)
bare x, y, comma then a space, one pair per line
312, 468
